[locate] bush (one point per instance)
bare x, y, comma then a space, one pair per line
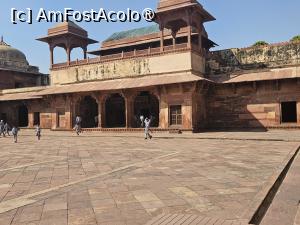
260, 43
296, 38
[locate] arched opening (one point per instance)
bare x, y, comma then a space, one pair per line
146, 105
22, 116
115, 111
59, 55
77, 53
88, 110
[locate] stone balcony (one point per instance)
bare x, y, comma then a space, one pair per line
151, 61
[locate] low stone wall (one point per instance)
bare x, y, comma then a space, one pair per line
235, 59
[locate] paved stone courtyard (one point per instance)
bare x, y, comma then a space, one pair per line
105, 179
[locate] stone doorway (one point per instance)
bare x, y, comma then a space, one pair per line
115, 111
3, 117
88, 110
289, 112
36, 118
147, 105
22, 116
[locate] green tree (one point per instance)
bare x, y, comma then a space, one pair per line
296, 38
260, 43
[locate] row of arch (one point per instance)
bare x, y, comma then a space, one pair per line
145, 104
76, 53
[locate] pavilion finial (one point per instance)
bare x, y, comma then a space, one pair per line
2, 43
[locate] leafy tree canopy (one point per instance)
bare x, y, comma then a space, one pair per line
296, 38
260, 43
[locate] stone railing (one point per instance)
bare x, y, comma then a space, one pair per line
126, 55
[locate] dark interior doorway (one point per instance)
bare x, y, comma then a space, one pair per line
146, 105
36, 118
23, 116
3, 117
289, 112
115, 111
89, 112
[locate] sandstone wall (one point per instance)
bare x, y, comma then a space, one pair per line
8, 79
134, 67
246, 105
272, 56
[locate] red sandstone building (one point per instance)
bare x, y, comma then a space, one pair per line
166, 71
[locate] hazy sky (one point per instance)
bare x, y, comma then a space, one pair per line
239, 23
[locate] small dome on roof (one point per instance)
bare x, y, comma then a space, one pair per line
11, 58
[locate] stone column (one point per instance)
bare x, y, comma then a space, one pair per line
84, 52
53, 113
298, 113
30, 120
164, 109
101, 111
69, 54
189, 31
129, 110
69, 113
189, 37
174, 34
187, 112
54, 119
51, 56
200, 38
174, 43
161, 27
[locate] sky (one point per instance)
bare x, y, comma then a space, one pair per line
238, 23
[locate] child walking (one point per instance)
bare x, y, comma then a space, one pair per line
38, 132
14, 132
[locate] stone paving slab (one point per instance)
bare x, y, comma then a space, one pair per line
275, 135
99, 179
190, 219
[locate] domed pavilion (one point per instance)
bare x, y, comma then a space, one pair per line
15, 71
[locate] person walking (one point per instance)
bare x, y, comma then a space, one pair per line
142, 120
78, 120
77, 129
2, 128
6, 129
147, 123
38, 131
14, 132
